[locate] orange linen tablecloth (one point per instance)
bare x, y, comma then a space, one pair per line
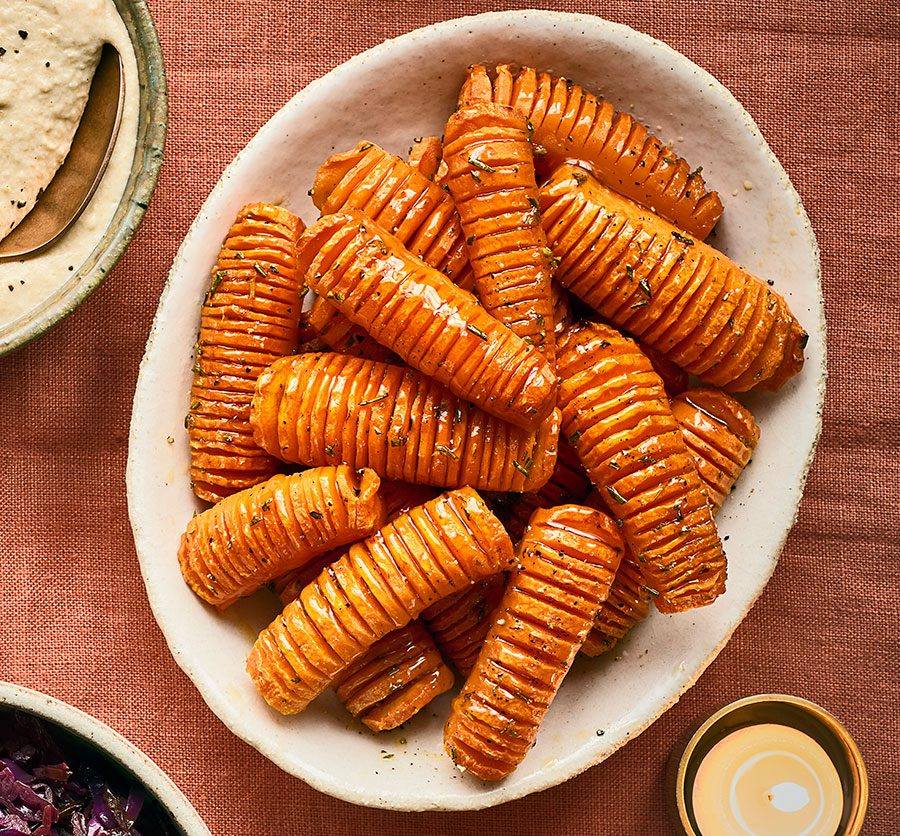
820, 78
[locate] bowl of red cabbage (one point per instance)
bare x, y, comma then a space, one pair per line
64, 773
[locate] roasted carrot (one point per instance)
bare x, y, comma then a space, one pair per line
249, 318
401, 673
675, 294
425, 319
617, 416
569, 123
395, 679
490, 174
253, 536
317, 409
380, 585
627, 604
460, 622
720, 434
425, 155
565, 565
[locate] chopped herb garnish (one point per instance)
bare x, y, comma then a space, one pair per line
641, 303
443, 448
381, 397
470, 240
579, 178
539, 151
629, 271
573, 439
316, 515
477, 332
259, 269
399, 441
217, 280
480, 164
334, 294
616, 495
255, 520
524, 469
644, 285
329, 449
683, 238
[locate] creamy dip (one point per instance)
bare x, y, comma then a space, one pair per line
48, 53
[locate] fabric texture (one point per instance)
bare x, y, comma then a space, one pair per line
820, 78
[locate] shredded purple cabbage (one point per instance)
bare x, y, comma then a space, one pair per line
42, 795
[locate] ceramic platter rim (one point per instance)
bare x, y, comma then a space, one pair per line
158, 368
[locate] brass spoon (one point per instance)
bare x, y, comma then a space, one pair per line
74, 184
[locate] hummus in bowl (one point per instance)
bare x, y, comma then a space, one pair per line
48, 54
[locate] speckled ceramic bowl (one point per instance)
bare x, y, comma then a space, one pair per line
151, 135
405, 88
167, 809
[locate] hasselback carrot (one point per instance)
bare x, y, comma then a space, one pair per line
675, 294
401, 673
253, 536
317, 409
460, 622
490, 174
380, 585
720, 434
568, 483
617, 416
425, 319
249, 318
566, 563
569, 123
395, 679
425, 155
627, 604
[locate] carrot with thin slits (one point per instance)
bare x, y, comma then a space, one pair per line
569, 123
460, 622
490, 174
720, 435
425, 319
316, 409
672, 292
565, 565
617, 416
425, 155
379, 586
401, 673
253, 536
395, 679
249, 318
